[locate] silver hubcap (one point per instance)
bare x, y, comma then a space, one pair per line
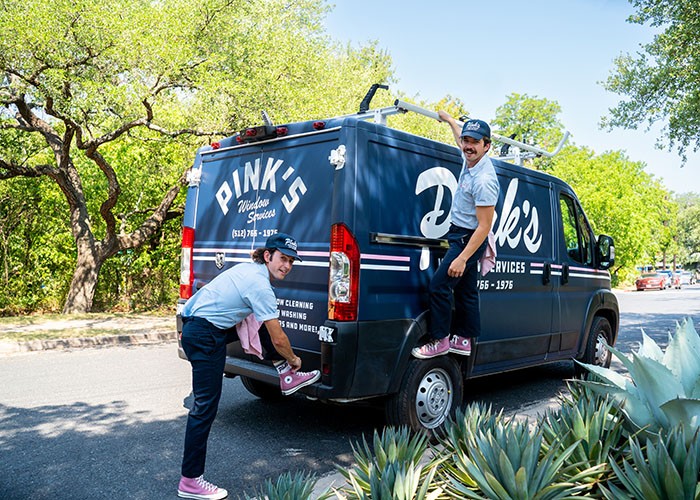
434, 398
601, 351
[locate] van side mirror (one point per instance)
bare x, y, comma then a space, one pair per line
605, 248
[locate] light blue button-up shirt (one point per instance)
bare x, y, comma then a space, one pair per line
477, 187
234, 294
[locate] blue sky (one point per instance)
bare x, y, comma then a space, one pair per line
482, 52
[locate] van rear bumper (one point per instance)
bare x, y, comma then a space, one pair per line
363, 360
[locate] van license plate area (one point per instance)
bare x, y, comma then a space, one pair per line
325, 334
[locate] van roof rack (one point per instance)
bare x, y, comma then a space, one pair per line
517, 155
379, 115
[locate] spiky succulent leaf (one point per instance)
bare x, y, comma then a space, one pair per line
653, 383
683, 411
682, 355
594, 424
298, 486
394, 468
650, 349
666, 468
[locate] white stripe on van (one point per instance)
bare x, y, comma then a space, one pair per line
556, 271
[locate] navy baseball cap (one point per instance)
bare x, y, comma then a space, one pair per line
476, 129
284, 243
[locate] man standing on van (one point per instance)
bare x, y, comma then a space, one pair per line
209, 320
473, 206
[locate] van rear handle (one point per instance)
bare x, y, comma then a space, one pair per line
564, 274
547, 273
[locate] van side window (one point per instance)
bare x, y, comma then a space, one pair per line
577, 238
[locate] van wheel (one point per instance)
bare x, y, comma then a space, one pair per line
261, 389
596, 352
430, 393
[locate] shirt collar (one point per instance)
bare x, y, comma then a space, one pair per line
480, 165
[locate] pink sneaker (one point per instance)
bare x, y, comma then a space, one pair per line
199, 489
461, 345
432, 349
291, 382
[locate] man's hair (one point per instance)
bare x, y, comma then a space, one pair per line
259, 254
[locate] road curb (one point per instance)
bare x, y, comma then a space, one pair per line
9, 347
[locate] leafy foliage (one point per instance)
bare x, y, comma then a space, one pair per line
531, 120
110, 101
662, 82
611, 188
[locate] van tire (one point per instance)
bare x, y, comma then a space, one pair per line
596, 353
261, 389
430, 393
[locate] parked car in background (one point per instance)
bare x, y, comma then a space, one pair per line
652, 281
672, 279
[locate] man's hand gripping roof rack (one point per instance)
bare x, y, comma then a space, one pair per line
400, 106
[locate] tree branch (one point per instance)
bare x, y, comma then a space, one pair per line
114, 190
155, 221
10, 170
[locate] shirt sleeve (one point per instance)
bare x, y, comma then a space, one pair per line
486, 191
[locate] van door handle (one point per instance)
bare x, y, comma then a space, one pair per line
564, 274
547, 273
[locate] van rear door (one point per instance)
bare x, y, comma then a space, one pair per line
250, 192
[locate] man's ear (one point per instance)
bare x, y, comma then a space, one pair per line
266, 256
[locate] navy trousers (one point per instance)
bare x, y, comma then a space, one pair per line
463, 289
205, 347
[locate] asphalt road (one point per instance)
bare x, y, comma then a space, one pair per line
109, 423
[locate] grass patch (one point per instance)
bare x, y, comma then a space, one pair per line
38, 319
61, 326
58, 334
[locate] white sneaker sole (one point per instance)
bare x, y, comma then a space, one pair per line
213, 496
418, 355
304, 384
458, 351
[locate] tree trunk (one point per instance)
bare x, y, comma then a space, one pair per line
84, 283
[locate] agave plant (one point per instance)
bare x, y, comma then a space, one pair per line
398, 468
666, 468
592, 425
663, 388
289, 487
506, 462
458, 433
476, 416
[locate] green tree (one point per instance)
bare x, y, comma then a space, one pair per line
689, 228
530, 120
662, 83
109, 100
621, 199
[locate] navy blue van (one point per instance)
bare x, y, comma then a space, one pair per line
369, 207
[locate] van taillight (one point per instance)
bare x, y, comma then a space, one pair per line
344, 275
186, 269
